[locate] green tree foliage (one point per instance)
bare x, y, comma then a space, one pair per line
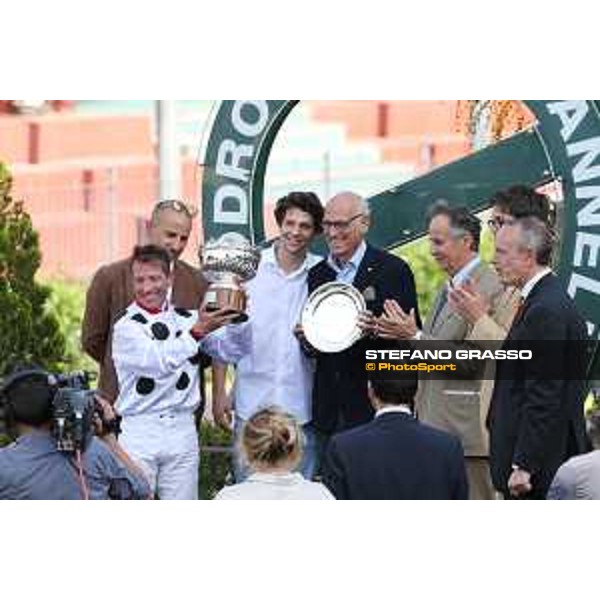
215, 459
67, 302
29, 332
429, 278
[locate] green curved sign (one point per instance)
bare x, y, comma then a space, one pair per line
563, 146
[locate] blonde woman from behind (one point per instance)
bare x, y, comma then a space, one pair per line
272, 443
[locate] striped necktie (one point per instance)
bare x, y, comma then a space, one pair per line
519, 311
443, 300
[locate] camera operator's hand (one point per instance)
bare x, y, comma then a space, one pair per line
105, 415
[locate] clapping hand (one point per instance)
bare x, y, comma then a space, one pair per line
395, 324
467, 301
367, 323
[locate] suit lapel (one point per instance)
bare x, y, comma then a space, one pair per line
538, 289
323, 274
440, 315
366, 270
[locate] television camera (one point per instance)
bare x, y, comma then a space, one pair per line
76, 412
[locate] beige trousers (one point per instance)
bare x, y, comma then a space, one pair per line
480, 481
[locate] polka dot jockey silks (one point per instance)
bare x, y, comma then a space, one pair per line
157, 358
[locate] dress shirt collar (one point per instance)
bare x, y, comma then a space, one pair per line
269, 257
353, 263
153, 311
393, 409
528, 287
464, 274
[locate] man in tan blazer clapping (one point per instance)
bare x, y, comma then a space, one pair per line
452, 405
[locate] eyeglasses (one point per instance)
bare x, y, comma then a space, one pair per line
178, 206
497, 223
341, 225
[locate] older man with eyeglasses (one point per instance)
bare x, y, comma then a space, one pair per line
493, 322
111, 290
508, 206
340, 395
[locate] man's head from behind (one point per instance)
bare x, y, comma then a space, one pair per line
393, 392
346, 223
171, 226
454, 236
27, 396
152, 276
299, 216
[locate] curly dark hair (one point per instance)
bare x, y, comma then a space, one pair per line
307, 202
521, 201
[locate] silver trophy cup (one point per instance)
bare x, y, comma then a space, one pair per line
227, 263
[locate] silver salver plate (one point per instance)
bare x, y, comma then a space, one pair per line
330, 317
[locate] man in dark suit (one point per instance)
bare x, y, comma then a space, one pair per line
340, 399
395, 457
536, 423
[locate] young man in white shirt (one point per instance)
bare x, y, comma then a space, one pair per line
276, 372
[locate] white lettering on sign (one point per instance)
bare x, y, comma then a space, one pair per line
235, 197
580, 282
589, 215
234, 163
591, 327
229, 159
571, 113
583, 170
247, 128
583, 241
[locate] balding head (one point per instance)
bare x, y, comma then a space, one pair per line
353, 202
346, 224
170, 227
